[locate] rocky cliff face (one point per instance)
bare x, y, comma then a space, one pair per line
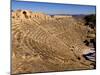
43, 43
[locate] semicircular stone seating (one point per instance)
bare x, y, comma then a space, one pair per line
43, 43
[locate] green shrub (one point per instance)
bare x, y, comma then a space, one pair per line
90, 20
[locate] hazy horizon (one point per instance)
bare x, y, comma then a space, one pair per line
54, 8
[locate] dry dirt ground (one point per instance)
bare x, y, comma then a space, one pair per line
41, 43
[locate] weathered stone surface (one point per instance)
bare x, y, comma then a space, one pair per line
43, 43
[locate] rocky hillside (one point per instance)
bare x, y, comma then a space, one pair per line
42, 43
